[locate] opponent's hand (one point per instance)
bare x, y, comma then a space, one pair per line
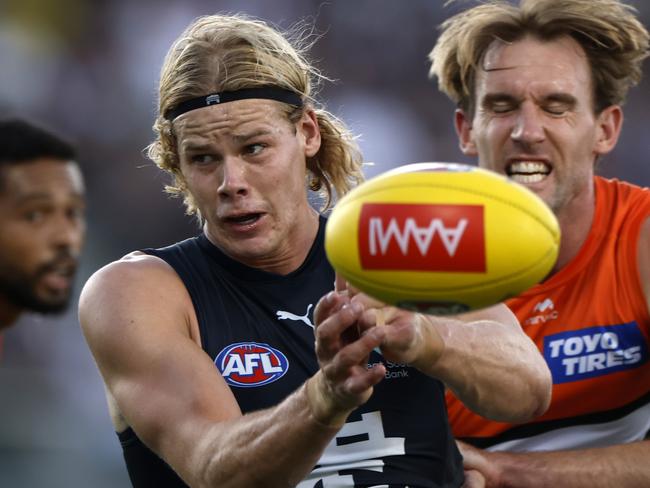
342, 348
473, 479
410, 337
481, 468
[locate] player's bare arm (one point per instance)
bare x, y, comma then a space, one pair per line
145, 341
483, 357
620, 466
491, 365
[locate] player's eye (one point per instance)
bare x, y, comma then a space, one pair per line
203, 159
502, 107
76, 213
254, 149
34, 216
556, 108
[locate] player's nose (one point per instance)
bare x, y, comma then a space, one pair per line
528, 127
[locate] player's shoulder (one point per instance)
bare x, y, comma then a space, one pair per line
137, 280
130, 306
134, 269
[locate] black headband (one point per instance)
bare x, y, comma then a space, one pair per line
268, 92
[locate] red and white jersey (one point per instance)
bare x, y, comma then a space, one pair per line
591, 323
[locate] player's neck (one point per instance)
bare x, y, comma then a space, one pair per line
575, 224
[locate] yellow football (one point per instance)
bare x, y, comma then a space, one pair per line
442, 238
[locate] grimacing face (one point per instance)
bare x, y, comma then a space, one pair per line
534, 119
43, 226
245, 166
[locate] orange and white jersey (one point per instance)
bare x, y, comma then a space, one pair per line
591, 323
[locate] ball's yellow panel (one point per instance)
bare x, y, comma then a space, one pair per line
442, 237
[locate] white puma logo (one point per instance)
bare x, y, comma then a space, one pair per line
282, 315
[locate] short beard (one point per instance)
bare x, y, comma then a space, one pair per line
20, 291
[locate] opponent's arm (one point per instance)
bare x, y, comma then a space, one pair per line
616, 466
483, 357
620, 466
489, 364
136, 317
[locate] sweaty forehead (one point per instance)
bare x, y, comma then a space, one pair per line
560, 61
229, 119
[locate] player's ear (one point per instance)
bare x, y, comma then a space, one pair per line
309, 128
463, 124
608, 124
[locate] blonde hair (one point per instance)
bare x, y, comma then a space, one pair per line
613, 39
232, 52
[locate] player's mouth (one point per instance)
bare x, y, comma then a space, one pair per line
58, 276
528, 172
242, 221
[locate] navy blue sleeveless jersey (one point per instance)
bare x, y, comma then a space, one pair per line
258, 329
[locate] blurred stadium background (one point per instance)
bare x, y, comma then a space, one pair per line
89, 69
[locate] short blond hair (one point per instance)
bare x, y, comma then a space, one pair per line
612, 37
231, 52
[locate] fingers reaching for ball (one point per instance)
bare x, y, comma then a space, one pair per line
345, 379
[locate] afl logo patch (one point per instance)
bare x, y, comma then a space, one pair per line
249, 364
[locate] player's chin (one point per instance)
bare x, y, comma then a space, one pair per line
54, 303
250, 249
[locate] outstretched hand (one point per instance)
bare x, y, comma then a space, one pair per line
410, 337
343, 348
